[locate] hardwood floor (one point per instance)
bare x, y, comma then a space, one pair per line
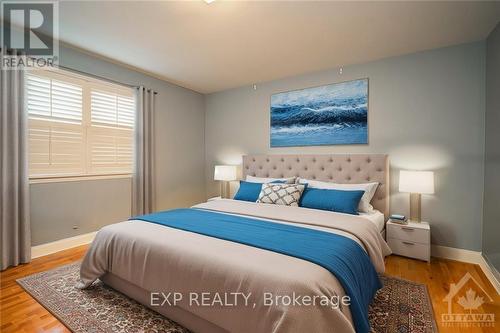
437, 276
21, 313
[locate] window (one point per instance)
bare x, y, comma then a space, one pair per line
78, 126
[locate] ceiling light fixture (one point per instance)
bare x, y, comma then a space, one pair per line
209, 1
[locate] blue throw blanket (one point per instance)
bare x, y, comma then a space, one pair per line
340, 255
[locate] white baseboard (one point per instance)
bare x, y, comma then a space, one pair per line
62, 244
473, 257
489, 274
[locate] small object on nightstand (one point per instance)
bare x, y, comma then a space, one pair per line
214, 198
410, 240
400, 219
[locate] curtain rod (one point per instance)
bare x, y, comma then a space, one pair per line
101, 78
95, 76
91, 75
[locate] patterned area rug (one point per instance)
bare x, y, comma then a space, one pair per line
400, 306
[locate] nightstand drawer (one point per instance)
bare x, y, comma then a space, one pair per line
409, 249
408, 233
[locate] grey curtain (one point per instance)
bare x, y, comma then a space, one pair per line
143, 181
14, 183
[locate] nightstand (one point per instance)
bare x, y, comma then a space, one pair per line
214, 199
410, 240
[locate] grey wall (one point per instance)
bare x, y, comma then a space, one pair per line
180, 181
426, 111
491, 220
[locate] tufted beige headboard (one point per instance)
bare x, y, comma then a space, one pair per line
339, 168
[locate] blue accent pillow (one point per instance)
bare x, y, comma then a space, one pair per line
332, 200
249, 191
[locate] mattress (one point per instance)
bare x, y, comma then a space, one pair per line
376, 217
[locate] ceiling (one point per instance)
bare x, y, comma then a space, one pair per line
225, 44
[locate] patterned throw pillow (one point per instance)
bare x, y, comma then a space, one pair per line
281, 194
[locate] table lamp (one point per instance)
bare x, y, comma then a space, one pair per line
225, 174
416, 183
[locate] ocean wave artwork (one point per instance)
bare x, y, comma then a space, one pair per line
334, 114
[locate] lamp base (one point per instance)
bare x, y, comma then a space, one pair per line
415, 207
224, 189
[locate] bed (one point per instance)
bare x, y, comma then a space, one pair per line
139, 258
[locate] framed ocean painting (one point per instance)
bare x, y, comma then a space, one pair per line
335, 114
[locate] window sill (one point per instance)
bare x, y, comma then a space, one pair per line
43, 180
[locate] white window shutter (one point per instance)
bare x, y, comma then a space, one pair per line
39, 147
126, 111
66, 101
78, 126
55, 148
111, 134
38, 96
103, 109
111, 108
55, 133
110, 150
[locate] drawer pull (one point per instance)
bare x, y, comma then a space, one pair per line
408, 243
407, 229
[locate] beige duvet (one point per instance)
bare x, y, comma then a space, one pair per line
196, 268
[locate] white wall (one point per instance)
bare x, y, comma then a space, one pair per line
179, 158
426, 110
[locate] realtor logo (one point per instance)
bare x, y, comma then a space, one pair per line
29, 35
469, 296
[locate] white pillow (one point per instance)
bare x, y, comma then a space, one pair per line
252, 179
281, 194
364, 204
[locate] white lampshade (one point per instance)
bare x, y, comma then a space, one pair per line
225, 172
416, 182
